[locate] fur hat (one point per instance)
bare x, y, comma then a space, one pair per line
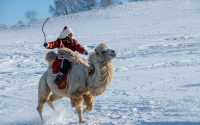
65, 32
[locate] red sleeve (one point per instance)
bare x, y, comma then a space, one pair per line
54, 44
78, 47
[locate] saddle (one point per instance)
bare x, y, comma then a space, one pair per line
61, 64
61, 67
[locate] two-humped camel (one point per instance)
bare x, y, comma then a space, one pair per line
86, 80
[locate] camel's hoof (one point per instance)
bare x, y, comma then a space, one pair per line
86, 110
42, 122
51, 106
82, 121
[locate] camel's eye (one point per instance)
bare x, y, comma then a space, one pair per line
103, 52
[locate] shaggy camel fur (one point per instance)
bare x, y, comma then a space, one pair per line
86, 80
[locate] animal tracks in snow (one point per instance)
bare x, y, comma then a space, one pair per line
165, 49
159, 55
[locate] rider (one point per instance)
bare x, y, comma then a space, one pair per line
65, 40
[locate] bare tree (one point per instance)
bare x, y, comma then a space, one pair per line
3, 26
105, 3
31, 15
64, 7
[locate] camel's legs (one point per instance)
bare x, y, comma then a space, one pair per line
77, 102
40, 106
51, 99
89, 102
43, 93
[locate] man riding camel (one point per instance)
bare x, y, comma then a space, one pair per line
65, 40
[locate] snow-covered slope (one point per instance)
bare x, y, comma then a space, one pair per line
157, 69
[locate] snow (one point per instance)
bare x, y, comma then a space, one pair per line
157, 68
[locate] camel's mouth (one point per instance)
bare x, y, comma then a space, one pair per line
112, 54
108, 54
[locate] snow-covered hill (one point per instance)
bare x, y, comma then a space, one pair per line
65, 7
157, 69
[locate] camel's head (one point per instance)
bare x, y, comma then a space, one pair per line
105, 53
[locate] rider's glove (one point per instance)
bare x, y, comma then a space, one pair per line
85, 53
45, 44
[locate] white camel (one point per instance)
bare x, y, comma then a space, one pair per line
86, 80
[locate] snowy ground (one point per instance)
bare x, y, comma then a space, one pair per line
157, 69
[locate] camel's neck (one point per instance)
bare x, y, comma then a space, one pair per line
101, 77
106, 73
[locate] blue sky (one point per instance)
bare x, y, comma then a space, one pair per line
13, 10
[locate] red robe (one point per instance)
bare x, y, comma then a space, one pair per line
67, 42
